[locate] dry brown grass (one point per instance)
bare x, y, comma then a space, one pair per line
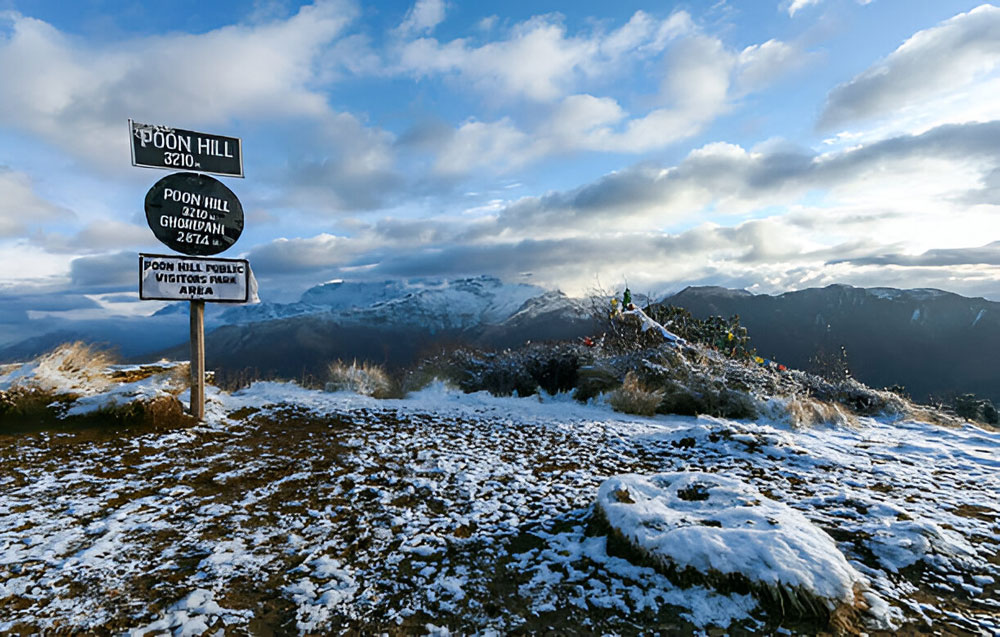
634, 398
365, 378
803, 411
81, 357
77, 367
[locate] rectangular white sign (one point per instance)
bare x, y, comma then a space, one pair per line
174, 278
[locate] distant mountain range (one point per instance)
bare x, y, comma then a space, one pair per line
933, 343
390, 322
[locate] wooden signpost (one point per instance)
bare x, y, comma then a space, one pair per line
196, 215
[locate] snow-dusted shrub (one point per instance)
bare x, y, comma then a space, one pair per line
552, 367
970, 407
365, 378
71, 368
25, 409
634, 398
594, 380
802, 411
705, 529
28, 408
865, 401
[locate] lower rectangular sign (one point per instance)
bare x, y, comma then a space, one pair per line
173, 278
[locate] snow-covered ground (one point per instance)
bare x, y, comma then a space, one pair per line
319, 513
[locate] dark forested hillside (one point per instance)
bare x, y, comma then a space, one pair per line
932, 342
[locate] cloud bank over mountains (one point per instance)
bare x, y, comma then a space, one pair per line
670, 146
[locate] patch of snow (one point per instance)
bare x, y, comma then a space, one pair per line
902, 543
647, 324
193, 615
121, 394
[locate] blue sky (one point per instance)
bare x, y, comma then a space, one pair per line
769, 145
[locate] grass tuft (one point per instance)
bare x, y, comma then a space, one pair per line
77, 367
634, 398
365, 378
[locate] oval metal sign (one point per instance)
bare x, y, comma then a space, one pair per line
194, 214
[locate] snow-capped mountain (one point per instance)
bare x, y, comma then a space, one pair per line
392, 322
433, 304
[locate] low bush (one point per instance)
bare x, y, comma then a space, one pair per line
969, 407
690, 379
634, 398
551, 367
593, 380
30, 407
624, 333
364, 378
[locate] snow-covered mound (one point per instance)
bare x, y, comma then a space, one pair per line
722, 526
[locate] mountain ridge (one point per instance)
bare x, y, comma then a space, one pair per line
935, 343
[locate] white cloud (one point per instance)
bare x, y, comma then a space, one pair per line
923, 172
794, 6
955, 55
538, 60
21, 207
98, 236
321, 252
777, 215
696, 81
422, 17
104, 270
498, 145
761, 64
77, 94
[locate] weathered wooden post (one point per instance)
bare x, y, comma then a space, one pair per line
198, 359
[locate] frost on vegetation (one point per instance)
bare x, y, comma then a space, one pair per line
708, 529
634, 398
72, 368
365, 378
803, 411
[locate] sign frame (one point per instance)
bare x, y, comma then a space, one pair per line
246, 279
181, 157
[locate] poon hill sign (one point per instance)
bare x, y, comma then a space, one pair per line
178, 149
194, 214
165, 277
